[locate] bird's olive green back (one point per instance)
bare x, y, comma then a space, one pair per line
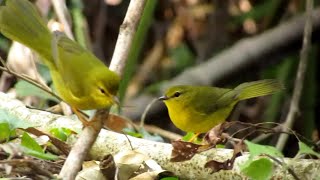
77, 66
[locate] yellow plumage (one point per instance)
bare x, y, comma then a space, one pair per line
199, 108
80, 78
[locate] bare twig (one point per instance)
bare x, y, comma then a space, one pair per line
64, 16
28, 79
83, 145
294, 105
291, 171
260, 127
162, 132
126, 34
264, 136
90, 133
144, 114
34, 165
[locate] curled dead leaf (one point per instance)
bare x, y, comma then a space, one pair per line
215, 135
108, 166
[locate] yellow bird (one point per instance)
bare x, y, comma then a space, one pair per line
79, 77
199, 108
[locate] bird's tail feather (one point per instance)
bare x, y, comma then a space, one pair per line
21, 22
258, 88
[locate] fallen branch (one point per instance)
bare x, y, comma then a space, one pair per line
111, 142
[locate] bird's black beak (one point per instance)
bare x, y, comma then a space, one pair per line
162, 98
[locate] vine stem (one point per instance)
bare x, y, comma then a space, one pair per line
294, 104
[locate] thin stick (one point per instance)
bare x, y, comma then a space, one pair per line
294, 175
294, 109
28, 79
126, 35
128, 141
264, 136
143, 117
64, 16
81, 148
33, 164
162, 132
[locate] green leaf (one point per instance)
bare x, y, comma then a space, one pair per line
4, 132
304, 149
142, 133
220, 146
148, 136
260, 169
32, 148
44, 72
41, 155
24, 88
13, 121
61, 133
28, 142
257, 149
169, 178
4, 43
182, 56
190, 135
132, 132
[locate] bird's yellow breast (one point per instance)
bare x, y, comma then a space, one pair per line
188, 119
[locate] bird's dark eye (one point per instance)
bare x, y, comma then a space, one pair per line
102, 91
177, 94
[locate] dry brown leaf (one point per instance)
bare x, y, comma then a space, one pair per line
108, 167
215, 135
216, 166
183, 151
116, 123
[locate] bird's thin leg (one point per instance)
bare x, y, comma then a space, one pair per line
81, 117
194, 137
